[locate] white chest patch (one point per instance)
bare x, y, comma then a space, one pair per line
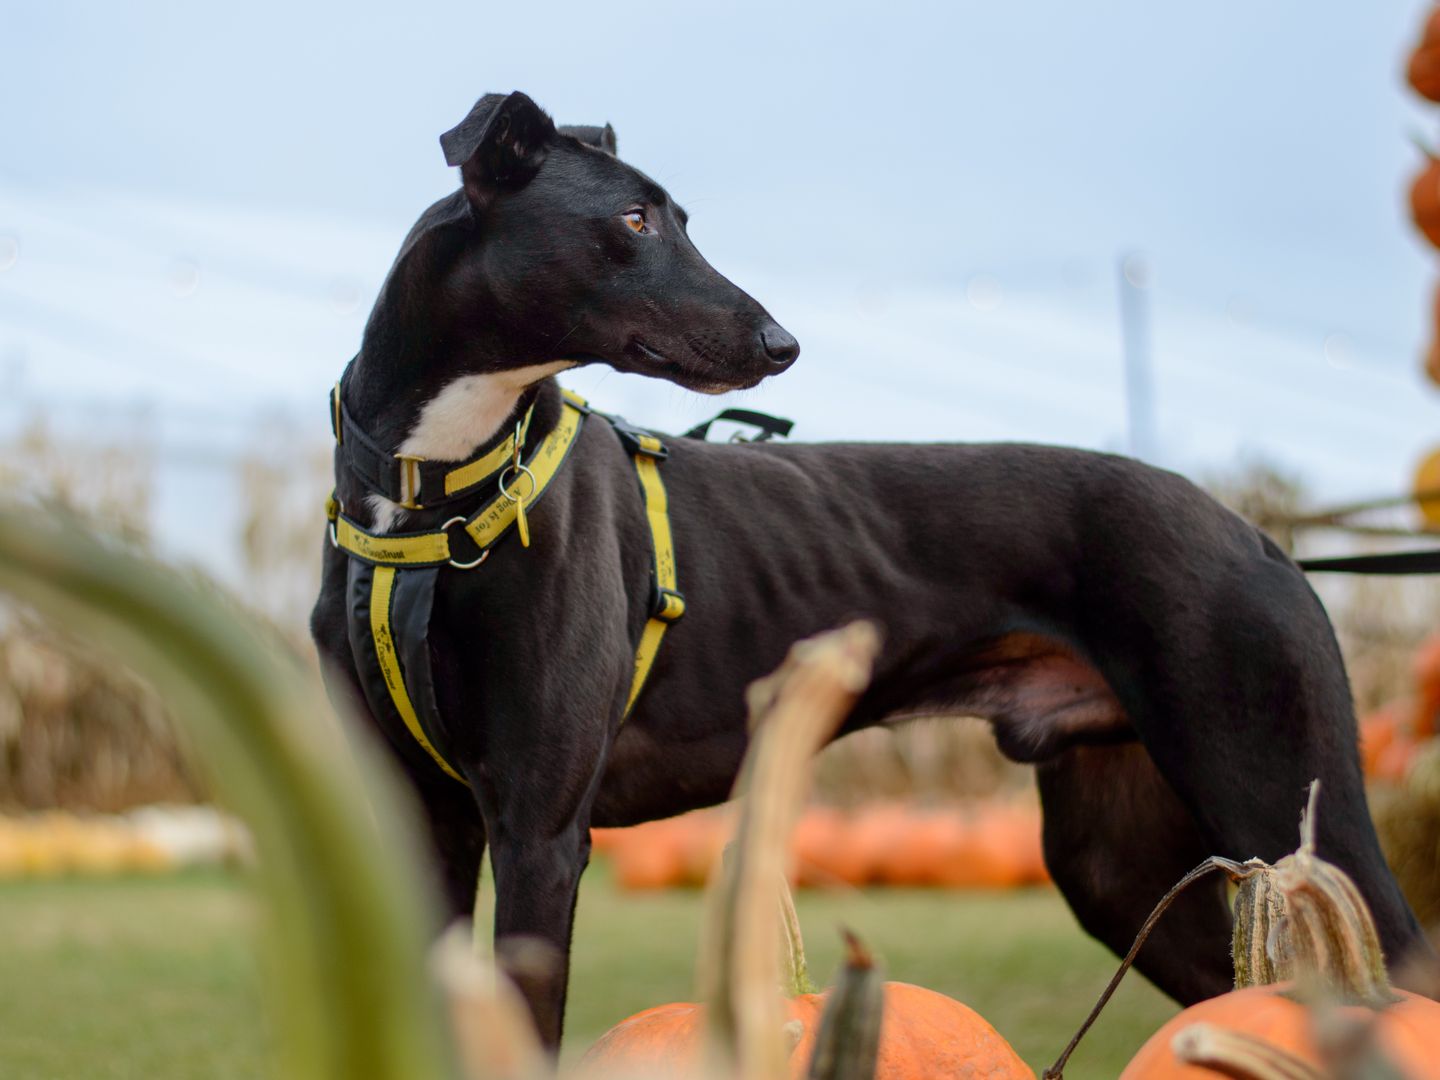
465, 414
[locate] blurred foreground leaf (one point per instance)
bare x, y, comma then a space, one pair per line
348, 994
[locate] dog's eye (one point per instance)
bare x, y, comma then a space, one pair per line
635, 219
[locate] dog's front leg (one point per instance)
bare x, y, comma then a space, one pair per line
537, 880
538, 827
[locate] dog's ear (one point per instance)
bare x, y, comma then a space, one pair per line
501, 143
601, 137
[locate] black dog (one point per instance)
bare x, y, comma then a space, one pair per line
1164, 664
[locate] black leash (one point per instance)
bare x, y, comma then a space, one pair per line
769, 426
1395, 562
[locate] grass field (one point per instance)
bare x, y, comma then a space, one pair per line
155, 978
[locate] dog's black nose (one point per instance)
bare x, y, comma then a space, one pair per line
780, 345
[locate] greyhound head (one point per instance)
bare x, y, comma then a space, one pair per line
555, 248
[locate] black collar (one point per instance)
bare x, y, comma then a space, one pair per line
416, 483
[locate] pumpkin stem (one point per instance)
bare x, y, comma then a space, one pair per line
1337, 948
1237, 872
1239, 1055
1303, 917
1307, 820
794, 712
847, 1046
491, 1023
1260, 948
794, 970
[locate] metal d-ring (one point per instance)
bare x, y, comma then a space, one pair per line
465, 565
517, 468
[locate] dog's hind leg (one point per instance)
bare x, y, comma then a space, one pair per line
1116, 839
1243, 702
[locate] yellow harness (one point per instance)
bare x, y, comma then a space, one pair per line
520, 483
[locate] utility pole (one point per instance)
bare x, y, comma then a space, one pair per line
1135, 334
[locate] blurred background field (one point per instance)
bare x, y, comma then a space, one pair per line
155, 978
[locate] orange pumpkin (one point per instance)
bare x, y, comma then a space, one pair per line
650, 856
1388, 739
1430, 35
1432, 362
1423, 71
1409, 1032
1378, 733
924, 1034
1024, 824
979, 855
870, 833
1425, 201
604, 841
818, 848
1427, 687
1333, 949
1000, 848
702, 838
919, 844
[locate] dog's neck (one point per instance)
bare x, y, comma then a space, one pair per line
442, 412
435, 376
433, 383
470, 410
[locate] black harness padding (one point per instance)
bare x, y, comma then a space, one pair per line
406, 626
357, 452
410, 609
1395, 562
769, 426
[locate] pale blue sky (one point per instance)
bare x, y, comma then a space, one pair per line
198, 202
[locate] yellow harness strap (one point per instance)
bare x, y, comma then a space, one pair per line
389, 552
404, 549
492, 521
668, 604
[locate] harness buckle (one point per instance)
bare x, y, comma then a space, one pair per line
638, 441
337, 416
333, 510
410, 481
667, 605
